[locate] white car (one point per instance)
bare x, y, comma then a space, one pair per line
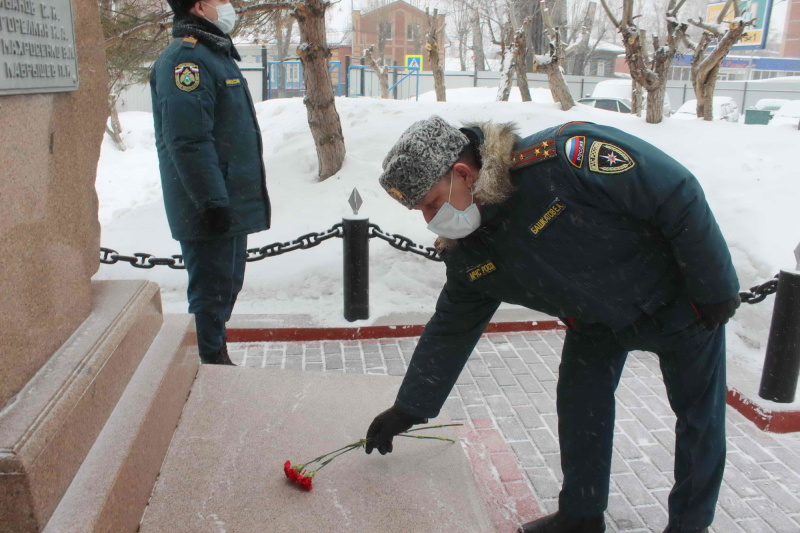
722, 108
620, 89
789, 113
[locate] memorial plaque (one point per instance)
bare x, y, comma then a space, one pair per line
37, 47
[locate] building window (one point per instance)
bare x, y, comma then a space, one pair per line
601, 67
412, 31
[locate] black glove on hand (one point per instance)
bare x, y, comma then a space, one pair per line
714, 315
217, 220
385, 426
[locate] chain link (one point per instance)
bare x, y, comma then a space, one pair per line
139, 260
760, 292
304, 242
404, 243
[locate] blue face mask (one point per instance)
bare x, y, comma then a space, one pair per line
452, 223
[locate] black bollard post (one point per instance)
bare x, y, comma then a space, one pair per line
782, 362
356, 267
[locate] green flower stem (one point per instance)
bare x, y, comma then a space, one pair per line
433, 427
323, 456
350, 448
424, 437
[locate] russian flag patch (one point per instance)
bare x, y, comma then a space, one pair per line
574, 149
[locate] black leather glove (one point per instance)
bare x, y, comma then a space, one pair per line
385, 426
714, 315
217, 220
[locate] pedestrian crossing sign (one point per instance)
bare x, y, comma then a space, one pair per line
414, 62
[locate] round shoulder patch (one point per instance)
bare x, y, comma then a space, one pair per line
187, 76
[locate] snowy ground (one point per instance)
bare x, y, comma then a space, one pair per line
748, 171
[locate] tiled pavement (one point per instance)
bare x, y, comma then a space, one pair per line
511, 378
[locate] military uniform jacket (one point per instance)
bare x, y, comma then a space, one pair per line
580, 221
207, 136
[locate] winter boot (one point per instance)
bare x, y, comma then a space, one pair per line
673, 529
561, 523
220, 357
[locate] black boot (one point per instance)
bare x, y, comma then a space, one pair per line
561, 523
673, 529
220, 357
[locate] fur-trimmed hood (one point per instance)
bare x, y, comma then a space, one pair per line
497, 149
493, 185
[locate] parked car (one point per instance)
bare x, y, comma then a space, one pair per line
620, 105
789, 113
620, 90
770, 104
722, 108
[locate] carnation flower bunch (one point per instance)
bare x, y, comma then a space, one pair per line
299, 473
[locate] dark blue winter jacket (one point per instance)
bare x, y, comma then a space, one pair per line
581, 222
207, 136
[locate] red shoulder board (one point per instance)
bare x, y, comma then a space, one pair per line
534, 154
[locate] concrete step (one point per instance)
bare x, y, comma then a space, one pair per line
224, 469
110, 491
47, 429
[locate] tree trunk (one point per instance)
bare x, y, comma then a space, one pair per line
115, 129
636, 98
509, 59
433, 56
381, 70
555, 74
705, 70
323, 119
520, 49
477, 42
655, 104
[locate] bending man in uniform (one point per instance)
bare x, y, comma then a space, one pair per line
601, 229
210, 157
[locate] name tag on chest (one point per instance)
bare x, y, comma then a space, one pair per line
480, 271
233, 82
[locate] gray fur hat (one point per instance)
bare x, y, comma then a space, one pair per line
424, 152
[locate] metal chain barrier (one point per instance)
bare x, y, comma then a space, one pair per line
140, 260
760, 292
304, 242
404, 244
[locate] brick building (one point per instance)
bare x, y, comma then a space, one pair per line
405, 27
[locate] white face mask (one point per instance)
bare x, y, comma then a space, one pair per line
226, 17
452, 223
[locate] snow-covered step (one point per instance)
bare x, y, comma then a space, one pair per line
111, 489
224, 469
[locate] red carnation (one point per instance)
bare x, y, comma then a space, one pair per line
290, 472
305, 482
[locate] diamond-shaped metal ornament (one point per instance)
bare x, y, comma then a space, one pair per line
355, 201
797, 256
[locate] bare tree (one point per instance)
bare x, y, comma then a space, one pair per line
520, 46
432, 38
579, 48
649, 71
551, 63
706, 68
479, 56
323, 119
381, 70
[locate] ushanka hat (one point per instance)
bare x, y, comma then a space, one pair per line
424, 152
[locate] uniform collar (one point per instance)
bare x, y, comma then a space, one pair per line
188, 25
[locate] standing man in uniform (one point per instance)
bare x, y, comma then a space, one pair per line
210, 158
599, 228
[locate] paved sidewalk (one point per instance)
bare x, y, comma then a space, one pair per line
510, 380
